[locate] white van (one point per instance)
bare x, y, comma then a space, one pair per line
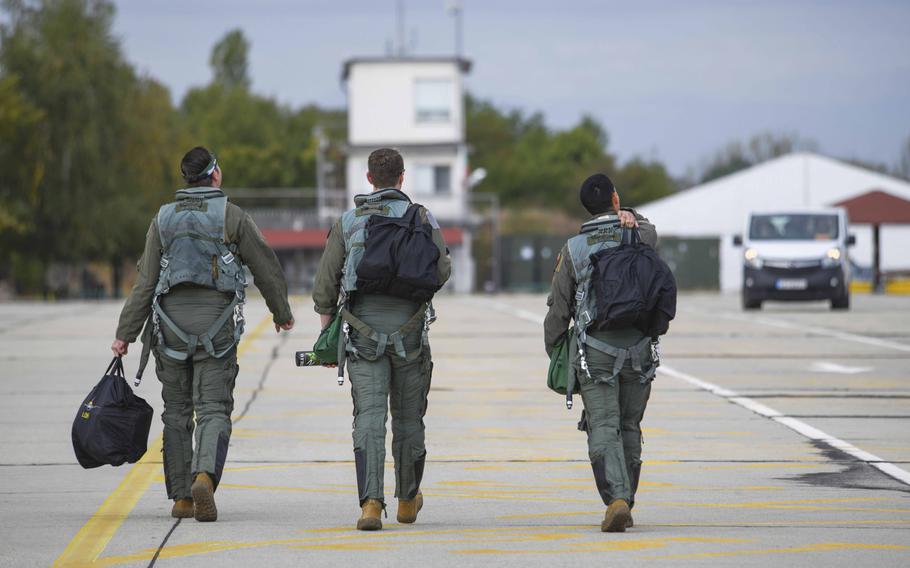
796, 255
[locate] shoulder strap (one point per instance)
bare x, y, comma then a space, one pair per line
630, 236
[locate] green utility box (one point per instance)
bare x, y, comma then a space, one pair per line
695, 262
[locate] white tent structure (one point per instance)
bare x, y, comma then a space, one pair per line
718, 209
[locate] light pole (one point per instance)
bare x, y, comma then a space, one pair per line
456, 10
321, 144
473, 179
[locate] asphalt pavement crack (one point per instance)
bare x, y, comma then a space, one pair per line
246, 407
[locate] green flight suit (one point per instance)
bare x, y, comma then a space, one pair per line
613, 406
202, 385
386, 381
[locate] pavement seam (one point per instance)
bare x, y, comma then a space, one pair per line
265, 373
94, 536
797, 426
163, 543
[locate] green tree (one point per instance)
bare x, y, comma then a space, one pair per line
903, 162
736, 156
22, 126
229, 60
639, 181
96, 177
260, 142
530, 165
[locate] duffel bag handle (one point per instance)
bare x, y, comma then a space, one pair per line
630, 236
116, 367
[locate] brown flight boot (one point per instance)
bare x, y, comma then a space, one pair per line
617, 517
408, 508
182, 509
629, 523
203, 491
369, 520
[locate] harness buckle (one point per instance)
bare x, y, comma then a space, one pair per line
228, 258
164, 262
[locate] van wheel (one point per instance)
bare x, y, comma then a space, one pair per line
750, 304
841, 302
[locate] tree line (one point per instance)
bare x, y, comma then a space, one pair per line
89, 147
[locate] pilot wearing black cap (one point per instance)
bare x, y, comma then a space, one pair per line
609, 366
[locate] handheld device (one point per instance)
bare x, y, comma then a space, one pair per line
306, 359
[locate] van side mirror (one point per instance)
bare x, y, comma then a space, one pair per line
737, 240
851, 240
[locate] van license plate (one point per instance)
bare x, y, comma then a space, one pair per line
792, 284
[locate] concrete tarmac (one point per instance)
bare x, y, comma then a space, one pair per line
779, 437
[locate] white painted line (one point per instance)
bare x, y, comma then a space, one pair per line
797, 426
846, 336
829, 367
794, 424
517, 312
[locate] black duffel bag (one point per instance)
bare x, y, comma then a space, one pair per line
112, 425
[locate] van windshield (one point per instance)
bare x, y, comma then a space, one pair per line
802, 227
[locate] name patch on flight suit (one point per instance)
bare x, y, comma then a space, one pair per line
192, 204
370, 209
604, 235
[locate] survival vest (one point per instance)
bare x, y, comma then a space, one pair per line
595, 236
195, 251
383, 211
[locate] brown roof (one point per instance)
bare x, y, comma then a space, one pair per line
285, 239
877, 207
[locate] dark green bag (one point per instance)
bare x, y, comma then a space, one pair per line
558, 374
326, 347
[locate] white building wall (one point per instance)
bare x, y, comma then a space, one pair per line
449, 208
382, 111
391, 87
719, 208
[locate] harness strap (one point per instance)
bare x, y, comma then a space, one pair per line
146, 350
633, 353
397, 338
193, 341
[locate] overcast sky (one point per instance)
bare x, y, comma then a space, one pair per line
670, 79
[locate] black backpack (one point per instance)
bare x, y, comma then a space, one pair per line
399, 257
633, 287
112, 425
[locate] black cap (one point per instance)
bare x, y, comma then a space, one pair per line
596, 194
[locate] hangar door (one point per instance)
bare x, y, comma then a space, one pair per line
695, 262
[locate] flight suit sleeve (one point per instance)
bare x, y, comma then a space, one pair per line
561, 301
444, 266
139, 303
328, 276
645, 228
263, 263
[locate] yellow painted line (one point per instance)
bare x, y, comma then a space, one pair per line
94, 536
819, 547
631, 545
284, 488
341, 541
